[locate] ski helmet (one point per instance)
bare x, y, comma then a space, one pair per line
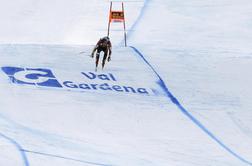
106, 37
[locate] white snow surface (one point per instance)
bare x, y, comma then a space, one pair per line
180, 96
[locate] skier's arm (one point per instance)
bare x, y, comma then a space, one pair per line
95, 48
92, 54
110, 51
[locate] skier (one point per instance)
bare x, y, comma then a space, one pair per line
104, 45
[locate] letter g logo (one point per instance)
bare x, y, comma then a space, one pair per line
40, 77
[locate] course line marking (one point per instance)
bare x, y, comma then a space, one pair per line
18, 147
174, 100
65, 158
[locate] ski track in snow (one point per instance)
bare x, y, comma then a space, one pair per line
174, 99
187, 113
65, 158
23, 152
18, 147
170, 96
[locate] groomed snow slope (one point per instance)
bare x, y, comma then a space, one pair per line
55, 110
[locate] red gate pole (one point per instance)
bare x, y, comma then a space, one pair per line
124, 26
109, 18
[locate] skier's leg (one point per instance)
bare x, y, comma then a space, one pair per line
97, 58
104, 58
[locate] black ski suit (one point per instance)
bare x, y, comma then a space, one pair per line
104, 45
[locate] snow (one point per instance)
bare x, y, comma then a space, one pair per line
124, 115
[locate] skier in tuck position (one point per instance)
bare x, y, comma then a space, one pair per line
104, 45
